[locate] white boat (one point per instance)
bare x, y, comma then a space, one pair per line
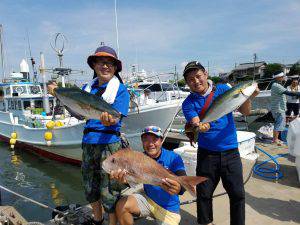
18, 114
162, 91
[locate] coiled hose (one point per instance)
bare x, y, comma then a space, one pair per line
268, 172
34, 223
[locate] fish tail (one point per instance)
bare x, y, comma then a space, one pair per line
190, 182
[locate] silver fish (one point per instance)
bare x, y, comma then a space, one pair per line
229, 101
85, 104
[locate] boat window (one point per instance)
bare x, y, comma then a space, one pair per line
19, 89
19, 105
12, 104
38, 104
7, 91
158, 87
167, 87
26, 104
35, 89
151, 87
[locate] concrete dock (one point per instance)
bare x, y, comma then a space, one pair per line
267, 201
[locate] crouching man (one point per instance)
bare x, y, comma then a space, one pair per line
160, 203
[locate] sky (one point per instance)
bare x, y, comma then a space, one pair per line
155, 35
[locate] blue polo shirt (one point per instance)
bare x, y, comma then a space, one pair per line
121, 104
173, 162
222, 133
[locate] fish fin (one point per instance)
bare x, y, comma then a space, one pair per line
190, 182
237, 95
131, 180
132, 184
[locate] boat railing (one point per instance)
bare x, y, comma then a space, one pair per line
164, 92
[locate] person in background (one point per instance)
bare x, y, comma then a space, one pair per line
102, 137
278, 105
293, 102
145, 98
161, 203
218, 155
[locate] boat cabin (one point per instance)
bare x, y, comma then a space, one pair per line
22, 96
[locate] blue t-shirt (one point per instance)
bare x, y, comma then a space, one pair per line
222, 133
173, 162
121, 104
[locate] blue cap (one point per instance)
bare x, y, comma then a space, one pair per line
152, 130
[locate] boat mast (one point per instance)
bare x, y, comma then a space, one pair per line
32, 61
45, 94
2, 53
117, 31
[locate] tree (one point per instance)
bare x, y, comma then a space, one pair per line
181, 83
272, 69
295, 69
215, 79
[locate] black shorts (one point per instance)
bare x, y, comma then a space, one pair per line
292, 107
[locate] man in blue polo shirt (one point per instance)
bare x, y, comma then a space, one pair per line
102, 137
161, 203
218, 155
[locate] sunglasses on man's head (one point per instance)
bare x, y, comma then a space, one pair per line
153, 129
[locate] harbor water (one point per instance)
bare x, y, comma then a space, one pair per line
46, 181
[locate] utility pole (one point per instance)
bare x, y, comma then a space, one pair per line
254, 60
208, 67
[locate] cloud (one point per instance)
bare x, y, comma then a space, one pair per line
155, 35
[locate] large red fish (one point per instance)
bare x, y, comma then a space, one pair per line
143, 169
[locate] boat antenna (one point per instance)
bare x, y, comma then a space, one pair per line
31, 59
59, 49
2, 53
117, 31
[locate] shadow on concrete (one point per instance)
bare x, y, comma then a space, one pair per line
186, 218
285, 211
290, 176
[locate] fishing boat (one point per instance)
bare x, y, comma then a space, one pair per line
24, 122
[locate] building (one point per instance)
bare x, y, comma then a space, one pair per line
246, 70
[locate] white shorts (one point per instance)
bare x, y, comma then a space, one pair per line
150, 208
